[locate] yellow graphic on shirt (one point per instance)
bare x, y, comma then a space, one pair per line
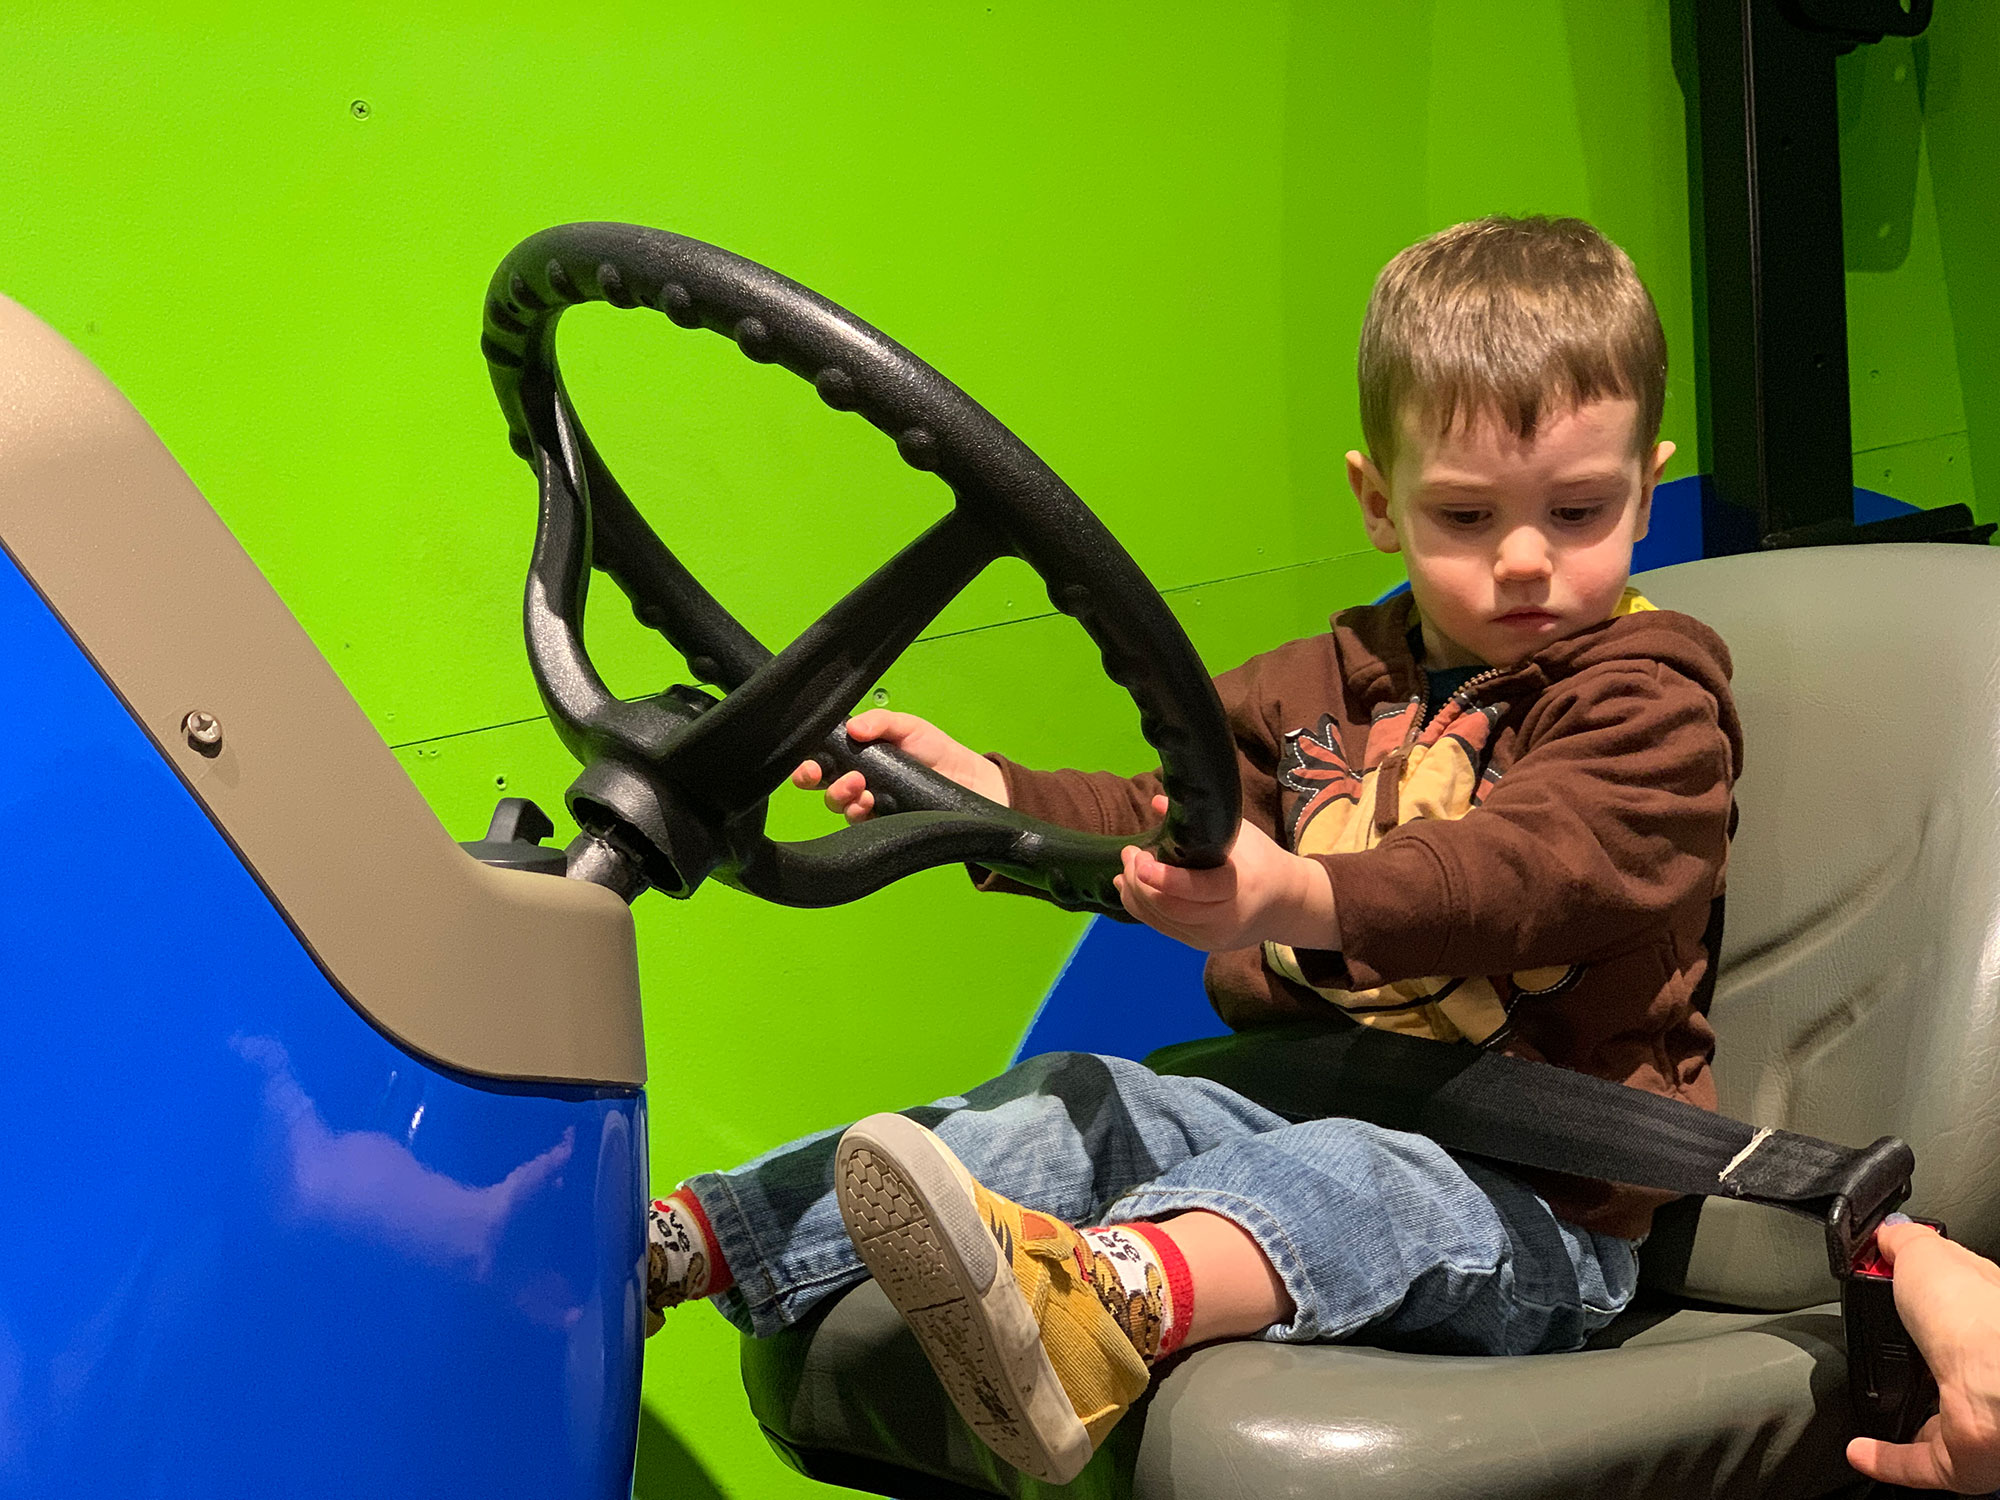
1411, 769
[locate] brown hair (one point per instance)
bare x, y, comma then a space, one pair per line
1512, 319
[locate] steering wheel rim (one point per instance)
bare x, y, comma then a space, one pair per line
689, 773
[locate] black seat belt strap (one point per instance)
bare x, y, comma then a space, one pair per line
1533, 1114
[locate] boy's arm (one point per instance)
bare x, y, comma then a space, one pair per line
1616, 813
1260, 894
1125, 806
1092, 801
1105, 802
922, 741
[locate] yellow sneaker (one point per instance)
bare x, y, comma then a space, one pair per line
1034, 1362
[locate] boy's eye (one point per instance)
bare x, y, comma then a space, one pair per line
1577, 515
1463, 520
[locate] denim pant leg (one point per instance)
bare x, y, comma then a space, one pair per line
1064, 1133
1385, 1238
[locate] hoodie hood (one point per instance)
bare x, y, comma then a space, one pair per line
1372, 645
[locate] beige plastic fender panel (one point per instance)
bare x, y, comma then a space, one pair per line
495, 972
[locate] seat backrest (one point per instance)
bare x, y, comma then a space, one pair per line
1859, 991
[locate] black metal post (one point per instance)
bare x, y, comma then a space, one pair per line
1780, 438
1764, 149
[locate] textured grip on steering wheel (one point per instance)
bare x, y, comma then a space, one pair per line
728, 757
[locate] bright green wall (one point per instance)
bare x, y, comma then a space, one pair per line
1920, 121
1142, 235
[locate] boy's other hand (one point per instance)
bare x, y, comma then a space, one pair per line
917, 738
1949, 1299
1259, 894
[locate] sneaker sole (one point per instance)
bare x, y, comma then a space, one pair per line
909, 1207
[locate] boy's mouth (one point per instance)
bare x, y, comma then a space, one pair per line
1527, 616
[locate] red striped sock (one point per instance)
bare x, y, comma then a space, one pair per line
683, 1261
1180, 1285
1141, 1277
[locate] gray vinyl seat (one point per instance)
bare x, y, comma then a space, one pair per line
1859, 996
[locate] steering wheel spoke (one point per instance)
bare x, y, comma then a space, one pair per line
682, 777
581, 706
862, 858
665, 596
749, 744
590, 719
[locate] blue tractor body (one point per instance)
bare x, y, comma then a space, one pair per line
253, 1246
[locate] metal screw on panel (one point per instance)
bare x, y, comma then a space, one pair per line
203, 731
359, 109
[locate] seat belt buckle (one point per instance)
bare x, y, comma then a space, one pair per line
1872, 1185
1888, 1381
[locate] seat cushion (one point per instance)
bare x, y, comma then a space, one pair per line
1668, 1403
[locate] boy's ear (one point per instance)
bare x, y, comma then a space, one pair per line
1373, 495
1649, 481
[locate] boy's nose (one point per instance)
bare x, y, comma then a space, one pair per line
1524, 554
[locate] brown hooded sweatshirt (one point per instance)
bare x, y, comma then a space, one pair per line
1532, 866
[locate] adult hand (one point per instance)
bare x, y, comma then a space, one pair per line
1260, 893
917, 738
1949, 1300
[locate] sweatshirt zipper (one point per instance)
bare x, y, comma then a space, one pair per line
1389, 776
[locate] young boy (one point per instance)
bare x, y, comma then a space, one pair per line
1494, 811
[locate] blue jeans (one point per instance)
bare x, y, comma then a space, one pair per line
1378, 1236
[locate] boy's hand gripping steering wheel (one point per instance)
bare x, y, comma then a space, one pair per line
675, 785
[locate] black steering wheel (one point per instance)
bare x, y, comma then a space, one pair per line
676, 784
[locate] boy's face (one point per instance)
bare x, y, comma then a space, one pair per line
1511, 545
